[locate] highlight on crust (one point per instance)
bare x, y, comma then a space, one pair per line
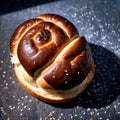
51, 60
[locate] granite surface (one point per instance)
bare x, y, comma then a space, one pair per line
99, 22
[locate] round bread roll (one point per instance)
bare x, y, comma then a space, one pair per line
51, 60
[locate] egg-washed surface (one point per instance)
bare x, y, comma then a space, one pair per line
49, 47
98, 21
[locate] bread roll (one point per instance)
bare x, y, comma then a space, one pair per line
51, 60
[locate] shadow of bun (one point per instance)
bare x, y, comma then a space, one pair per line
105, 88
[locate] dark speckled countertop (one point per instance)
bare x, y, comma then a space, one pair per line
99, 22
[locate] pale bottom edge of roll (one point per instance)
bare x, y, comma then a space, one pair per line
52, 95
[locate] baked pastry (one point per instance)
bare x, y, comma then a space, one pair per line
51, 60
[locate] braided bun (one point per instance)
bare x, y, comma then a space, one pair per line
51, 60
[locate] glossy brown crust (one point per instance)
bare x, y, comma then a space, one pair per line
51, 51
19, 33
74, 60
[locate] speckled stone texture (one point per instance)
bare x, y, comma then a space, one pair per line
99, 22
